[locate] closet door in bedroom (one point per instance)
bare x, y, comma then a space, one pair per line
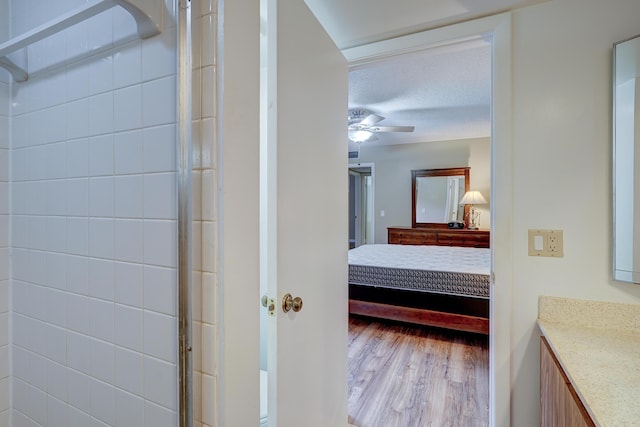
303, 224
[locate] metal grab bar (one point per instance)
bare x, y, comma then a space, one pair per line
146, 28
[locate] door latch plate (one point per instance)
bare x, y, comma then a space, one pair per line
270, 304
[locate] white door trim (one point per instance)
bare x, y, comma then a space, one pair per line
357, 207
499, 28
238, 182
372, 166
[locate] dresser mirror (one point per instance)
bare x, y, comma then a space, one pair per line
436, 194
626, 191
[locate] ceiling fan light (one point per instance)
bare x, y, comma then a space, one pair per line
360, 135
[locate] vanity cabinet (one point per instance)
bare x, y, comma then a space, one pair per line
438, 236
559, 402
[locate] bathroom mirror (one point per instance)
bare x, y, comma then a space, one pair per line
626, 191
436, 194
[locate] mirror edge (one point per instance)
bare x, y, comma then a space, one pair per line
630, 276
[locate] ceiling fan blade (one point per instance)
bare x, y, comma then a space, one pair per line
371, 119
391, 128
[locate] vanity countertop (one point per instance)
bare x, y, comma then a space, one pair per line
598, 346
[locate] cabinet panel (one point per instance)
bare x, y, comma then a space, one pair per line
559, 403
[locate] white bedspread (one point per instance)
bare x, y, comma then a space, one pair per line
434, 258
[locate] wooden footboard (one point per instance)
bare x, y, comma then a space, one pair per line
421, 316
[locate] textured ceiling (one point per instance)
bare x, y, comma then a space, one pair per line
444, 92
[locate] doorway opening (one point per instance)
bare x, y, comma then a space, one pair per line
361, 216
241, 340
414, 386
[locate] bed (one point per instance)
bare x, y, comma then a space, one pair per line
443, 286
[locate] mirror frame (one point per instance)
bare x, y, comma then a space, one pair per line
625, 221
421, 173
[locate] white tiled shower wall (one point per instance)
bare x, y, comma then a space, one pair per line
4, 248
93, 317
4, 228
94, 224
204, 214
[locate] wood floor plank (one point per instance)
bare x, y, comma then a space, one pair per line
410, 376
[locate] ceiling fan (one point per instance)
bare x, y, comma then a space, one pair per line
362, 126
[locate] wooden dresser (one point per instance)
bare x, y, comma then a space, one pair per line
438, 236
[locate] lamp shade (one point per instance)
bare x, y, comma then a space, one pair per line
473, 198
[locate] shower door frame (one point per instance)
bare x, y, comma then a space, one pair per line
184, 167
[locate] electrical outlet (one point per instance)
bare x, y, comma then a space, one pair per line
554, 243
546, 243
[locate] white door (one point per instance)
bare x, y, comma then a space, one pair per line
304, 191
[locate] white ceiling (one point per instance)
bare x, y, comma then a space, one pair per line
356, 22
443, 92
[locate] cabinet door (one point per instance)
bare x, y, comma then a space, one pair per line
552, 390
559, 404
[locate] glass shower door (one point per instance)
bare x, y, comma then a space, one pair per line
93, 216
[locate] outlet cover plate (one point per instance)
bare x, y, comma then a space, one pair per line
552, 243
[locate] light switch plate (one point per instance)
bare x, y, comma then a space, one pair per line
547, 243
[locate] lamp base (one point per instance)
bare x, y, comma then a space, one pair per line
474, 217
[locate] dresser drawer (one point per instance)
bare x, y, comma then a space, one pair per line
439, 237
399, 237
473, 239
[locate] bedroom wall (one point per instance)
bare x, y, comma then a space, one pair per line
392, 179
562, 52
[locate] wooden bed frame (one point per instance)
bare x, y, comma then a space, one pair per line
443, 311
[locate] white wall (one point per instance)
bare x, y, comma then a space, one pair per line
392, 180
94, 225
562, 89
480, 164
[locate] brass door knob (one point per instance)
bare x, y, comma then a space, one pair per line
290, 303
297, 304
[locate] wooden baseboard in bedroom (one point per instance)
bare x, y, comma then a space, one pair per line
460, 322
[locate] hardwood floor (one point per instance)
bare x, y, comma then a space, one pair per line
406, 376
